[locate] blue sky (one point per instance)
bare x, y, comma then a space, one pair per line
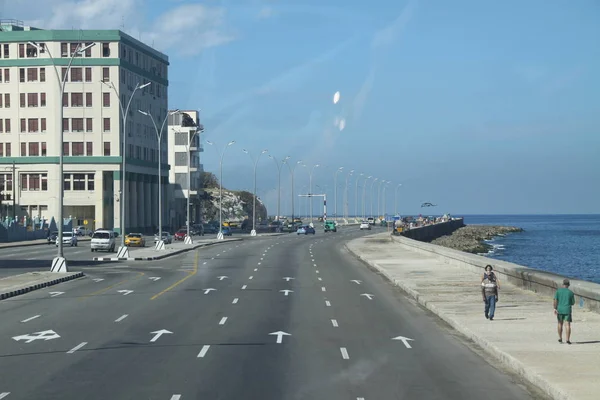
477, 106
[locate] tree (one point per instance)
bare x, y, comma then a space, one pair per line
209, 180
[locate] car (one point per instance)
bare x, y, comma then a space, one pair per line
371, 220
306, 229
301, 231
226, 231
52, 237
68, 238
365, 225
180, 234
103, 239
135, 239
330, 226
166, 237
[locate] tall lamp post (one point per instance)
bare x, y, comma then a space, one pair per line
124, 112
310, 174
346, 196
364, 200
292, 169
340, 169
384, 202
371, 195
59, 262
220, 235
379, 198
396, 199
278, 164
159, 139
356, 197
255, 162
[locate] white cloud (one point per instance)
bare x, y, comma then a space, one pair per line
186, 29
266, 12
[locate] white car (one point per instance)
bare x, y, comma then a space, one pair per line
68, 238
365, 225
166, 237
103, 240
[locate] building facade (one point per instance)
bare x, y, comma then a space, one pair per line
97, 89
185, 146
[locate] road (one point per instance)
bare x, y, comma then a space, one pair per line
286, 317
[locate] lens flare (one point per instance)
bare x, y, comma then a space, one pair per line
336, 97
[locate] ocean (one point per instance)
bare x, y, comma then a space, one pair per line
564, 244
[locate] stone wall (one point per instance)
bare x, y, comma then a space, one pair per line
428, 233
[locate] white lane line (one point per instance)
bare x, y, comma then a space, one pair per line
235, 301
255, 269
315, 265
4, 394
250, 277
313, 260
317, 271
74, 349
222, 321
360, 398
261, 259
31, 318
244, 287
218, 255
205, 263
212, 258
176, 397
334, 323
203, 351
258, 263
344, 352
323, 289
327, 303
319, 278
121, 318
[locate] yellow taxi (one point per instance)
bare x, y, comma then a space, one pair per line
135, 239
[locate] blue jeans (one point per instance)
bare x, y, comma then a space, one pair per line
490, 306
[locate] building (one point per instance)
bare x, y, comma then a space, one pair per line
185, 145
101, 79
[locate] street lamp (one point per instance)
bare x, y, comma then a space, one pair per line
346, 195
292, 169
356, 197
124, 112
81, 48
384, 202
220, 235
379, 198
340, 169
396, 199
371, 195
255, 162
160, 246
278, 164
310, 174
364, 201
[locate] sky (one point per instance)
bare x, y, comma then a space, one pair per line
479, 107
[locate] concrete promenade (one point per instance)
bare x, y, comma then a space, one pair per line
523, 334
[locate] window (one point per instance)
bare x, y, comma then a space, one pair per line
78, 181
73, 50
7, 100
77, 149
33, 124
105, 49
42, 74
65, 100
67, 181
32, 51
7, 126
43, 125
65, 124
22, 99
6, 75
88, 99
1, 125
32, 99
106, 123
89, 148
88, 74
76, 74
88, 125
1, 155
32, 74
77, 125
64, 76
0, 75
32, 182
23, 149
24, 181
6, 52
23, 125
88, 51
64, 52
43, 151
106, 149
21, 74
76, 99
106, 99
1, 101
8, 148
90, 181
180, 158
130, 151
34, 149
105, 74
6, 182
66, 149
44, 181
42, 99
21, 50
138, 152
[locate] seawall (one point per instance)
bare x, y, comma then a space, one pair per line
428, 233
587, 294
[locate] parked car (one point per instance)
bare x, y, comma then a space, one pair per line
135, 239
68, 238
365, 225
103, 239
166, 237
180, 234
226, 231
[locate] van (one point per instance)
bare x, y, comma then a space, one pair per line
103, 240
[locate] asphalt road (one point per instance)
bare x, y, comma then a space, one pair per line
204, 325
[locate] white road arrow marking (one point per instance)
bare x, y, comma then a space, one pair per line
404, 340
203, 351
286, 292
98, 279
280, 335
368, 296
43, 335
222, 277
287, 278
54, 294
31, 318
121, 318
125, 292
159, 334
207, 291
154, 278
356, 281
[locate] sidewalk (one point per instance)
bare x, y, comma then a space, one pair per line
148, 253
23, 283
522, 335
35, 242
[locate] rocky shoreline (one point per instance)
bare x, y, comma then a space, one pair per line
471, 237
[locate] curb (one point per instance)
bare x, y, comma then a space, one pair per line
34, 244
506, 359
31, 288
154, 258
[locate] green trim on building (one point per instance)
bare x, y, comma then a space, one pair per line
82, 160
81, 62
109, 35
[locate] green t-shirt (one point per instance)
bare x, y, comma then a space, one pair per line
566, 298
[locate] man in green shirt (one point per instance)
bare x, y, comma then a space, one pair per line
564, 299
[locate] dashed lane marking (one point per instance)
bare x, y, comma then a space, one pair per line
235, 301
31, 318
121, 318
74, 349
222, 321
203, 351
334, 323
344, 352
327, 303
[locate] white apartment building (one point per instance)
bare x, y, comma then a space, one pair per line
32, 65
184, 140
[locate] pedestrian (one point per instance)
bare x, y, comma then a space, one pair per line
489, 291
564, 299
